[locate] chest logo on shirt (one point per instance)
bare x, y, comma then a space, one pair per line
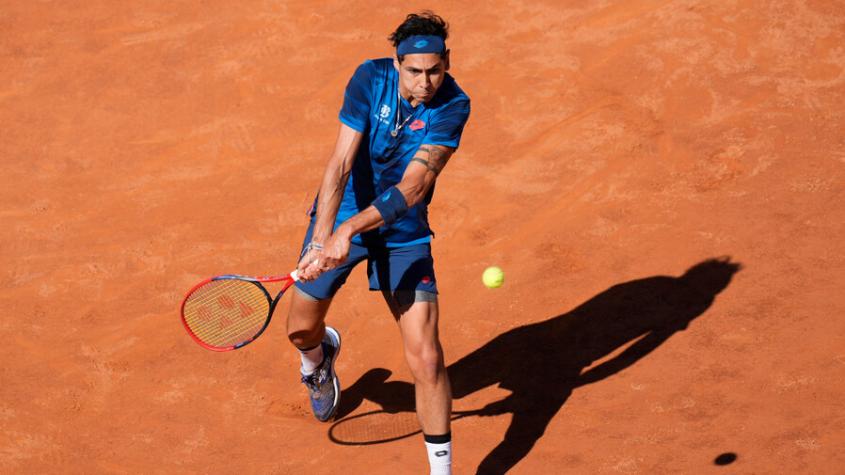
384, 111
416, 125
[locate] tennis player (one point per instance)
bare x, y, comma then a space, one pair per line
401, 121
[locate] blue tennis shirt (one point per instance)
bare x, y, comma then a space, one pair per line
369, 106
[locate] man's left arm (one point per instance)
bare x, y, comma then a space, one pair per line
419, 176
422, 171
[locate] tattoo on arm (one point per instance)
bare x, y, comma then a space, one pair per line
433, 158
426, 164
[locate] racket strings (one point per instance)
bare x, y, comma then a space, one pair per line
229, 312
224, 313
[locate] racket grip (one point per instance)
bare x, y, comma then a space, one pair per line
295, 275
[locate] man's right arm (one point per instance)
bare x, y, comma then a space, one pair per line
331, 192
354, 117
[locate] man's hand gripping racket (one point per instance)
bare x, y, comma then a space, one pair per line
227, 312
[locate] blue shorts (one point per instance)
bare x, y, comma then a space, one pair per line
408, 268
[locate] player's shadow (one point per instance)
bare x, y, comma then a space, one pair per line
542, 363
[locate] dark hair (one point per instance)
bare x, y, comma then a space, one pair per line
423, 23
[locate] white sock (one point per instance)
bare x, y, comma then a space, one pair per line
440, 455
311, 359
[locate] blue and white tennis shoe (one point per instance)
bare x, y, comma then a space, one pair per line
323, 384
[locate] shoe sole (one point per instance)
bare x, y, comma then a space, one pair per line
335, 379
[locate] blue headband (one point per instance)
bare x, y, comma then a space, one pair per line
421, 44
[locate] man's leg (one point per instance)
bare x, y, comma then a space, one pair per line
319, 347
406, 278
318, 344
417, 313
424, 355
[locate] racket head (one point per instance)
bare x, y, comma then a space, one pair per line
227, 312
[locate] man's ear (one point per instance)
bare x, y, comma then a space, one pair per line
446, 59
396, 62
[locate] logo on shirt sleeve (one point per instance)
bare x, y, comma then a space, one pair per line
384, 111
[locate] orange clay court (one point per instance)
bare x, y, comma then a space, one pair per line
661, 181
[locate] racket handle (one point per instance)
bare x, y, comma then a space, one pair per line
295, 275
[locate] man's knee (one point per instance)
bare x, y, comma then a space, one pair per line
305, 320
425, 361
305, 338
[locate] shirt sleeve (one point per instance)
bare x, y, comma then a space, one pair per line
356, 100
448, 124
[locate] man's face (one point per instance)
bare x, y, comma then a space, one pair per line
421, 75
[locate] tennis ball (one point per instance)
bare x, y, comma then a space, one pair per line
493, 277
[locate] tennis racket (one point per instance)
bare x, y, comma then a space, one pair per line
228, 312
379, 427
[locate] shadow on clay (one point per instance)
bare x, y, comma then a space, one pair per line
542, 363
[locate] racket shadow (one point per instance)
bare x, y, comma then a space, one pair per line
380, 427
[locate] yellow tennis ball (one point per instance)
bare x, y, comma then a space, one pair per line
493, 277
